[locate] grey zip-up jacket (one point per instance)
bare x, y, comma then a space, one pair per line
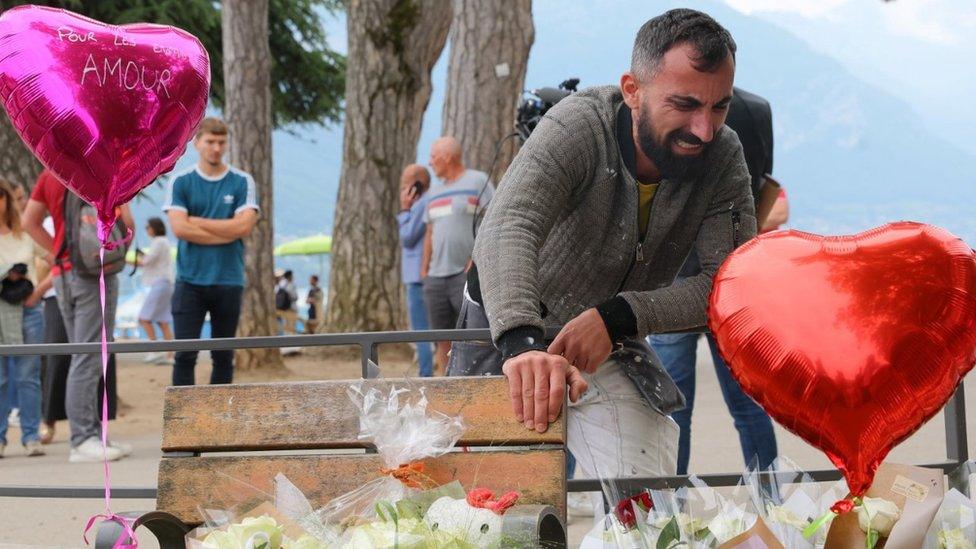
561, 233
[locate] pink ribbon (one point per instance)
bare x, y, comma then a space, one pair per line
127, 539
127, 533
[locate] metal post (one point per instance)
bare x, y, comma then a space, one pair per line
959, 479
369, 354
957, 443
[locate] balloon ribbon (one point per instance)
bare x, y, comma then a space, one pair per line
127, 539
838, 508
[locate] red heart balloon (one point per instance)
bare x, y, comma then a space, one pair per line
107, 108
851, 342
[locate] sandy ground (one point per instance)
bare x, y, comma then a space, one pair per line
59, 522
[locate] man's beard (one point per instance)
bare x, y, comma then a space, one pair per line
671, 165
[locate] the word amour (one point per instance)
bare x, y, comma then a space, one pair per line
127, 74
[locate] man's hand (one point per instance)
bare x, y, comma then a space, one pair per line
239, 226
33, 222
537, 385
34, 298
408, 196
584, 341
184, 229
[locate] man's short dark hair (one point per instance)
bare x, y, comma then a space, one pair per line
212, 125
157, 225
679, 26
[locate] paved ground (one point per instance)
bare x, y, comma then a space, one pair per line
53, 522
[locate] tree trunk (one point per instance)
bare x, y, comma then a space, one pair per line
247, 80
393, 45
17, 164
490, 42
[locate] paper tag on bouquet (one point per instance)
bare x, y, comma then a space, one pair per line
916, 491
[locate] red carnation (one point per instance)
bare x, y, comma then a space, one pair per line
625, 508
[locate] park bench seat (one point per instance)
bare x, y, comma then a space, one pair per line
220, 440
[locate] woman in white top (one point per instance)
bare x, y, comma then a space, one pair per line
157, 273
21, 321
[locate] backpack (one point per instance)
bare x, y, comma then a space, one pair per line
82, 243
282, 299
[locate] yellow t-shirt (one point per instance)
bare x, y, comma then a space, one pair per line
645, 195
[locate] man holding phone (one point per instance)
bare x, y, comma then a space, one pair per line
414, 182
451, 211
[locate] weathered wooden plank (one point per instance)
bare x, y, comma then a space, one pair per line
319, 414
229, 482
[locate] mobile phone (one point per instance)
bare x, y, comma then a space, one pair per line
418, 188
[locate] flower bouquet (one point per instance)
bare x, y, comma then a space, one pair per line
262, 527
789, 502
693, 517
954, 526
894, 513
402, 507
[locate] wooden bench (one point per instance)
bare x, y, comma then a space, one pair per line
218, 438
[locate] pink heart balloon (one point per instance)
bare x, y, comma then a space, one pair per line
106, 108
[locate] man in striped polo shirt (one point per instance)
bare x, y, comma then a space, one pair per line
451, 210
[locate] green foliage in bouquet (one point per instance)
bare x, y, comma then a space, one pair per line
236, 535
309, 78
670, 536
392, 530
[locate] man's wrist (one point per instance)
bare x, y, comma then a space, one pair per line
619, 319
521, 340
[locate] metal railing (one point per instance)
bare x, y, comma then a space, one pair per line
366, 341
956, 465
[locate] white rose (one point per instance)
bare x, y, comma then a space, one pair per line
878, 514
221, 539
249, 533
725, 527
686, 523
954, 539
253, 531
782, 515
405, 534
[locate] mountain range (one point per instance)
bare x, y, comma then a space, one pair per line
851, 154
